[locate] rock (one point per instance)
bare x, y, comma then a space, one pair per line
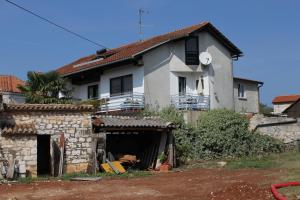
222, 163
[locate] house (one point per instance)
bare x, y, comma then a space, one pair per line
9, 89
161, 71
293, 110
246, 95
281, 103
30, 134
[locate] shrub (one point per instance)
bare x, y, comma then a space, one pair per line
224, 133
219, 133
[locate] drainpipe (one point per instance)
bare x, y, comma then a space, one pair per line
258, 90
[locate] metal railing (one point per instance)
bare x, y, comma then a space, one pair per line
129, 101
190, 102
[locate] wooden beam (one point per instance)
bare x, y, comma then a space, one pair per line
161, 149
171, 149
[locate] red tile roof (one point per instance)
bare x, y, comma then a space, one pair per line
48, 107
129, 51
10, 83
286, 99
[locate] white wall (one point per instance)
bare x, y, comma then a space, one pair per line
279, 108
191, 78
157, 77
220, 72
249, 104
81, 91
137, 78
9, 97
164, 64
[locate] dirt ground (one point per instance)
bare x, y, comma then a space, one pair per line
212, 184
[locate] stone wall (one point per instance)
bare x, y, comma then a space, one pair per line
75, 125
284, 128
21, 148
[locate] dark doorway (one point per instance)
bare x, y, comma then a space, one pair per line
43, 155
143, 145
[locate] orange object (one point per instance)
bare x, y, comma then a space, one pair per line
164, 168
116, 164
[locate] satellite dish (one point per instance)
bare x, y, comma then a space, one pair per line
205, 58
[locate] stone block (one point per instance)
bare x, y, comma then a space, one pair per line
70, 168
82, 167
33, 151
76, 152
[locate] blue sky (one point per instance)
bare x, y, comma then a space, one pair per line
267, 31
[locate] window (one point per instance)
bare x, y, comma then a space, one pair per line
121, 85
241, 91
181, 85
191, 51
93, 92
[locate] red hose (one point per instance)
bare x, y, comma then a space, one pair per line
276, 194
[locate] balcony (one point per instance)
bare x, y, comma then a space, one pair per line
131, 101
190, 102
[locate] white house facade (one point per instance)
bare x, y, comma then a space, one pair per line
160, 71
9, 89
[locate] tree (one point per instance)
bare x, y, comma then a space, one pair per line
265, 109
45, 88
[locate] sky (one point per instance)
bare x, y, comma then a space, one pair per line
267, 31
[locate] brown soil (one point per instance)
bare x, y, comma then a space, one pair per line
204, 184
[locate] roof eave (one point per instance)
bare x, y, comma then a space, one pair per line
96, 66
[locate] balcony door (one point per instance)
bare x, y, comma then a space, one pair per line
181, 85
121, 85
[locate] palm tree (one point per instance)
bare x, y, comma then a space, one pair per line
45, 88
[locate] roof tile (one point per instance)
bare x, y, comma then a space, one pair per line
47, 107
19, 129
10, 83
286, 99
130, 50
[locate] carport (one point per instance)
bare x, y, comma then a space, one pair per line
144, 137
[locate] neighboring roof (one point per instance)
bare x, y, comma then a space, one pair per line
19, 129
249, 80
131, 122
130, 51
9, 83
47, 107
286, 99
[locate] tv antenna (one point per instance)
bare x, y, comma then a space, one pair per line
141, 25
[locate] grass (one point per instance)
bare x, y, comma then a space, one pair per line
66, 177
287, 160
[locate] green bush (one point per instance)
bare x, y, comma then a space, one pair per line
219, 133
223, 133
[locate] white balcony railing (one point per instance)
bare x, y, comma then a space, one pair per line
132, 101
190, 102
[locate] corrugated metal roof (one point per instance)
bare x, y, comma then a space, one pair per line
131, 122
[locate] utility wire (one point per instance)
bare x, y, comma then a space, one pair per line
54, 24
